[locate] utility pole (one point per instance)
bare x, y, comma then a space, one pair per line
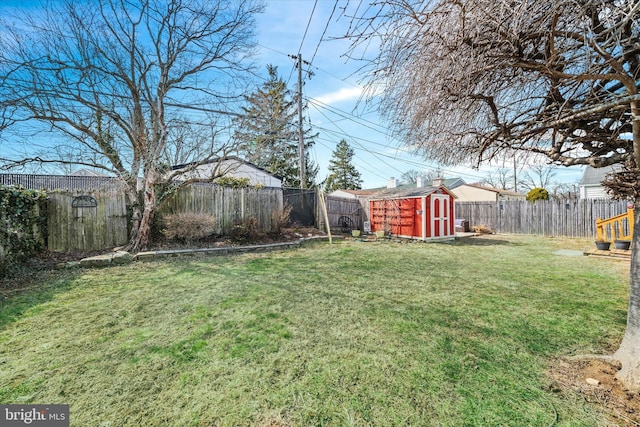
515, 174
303, 181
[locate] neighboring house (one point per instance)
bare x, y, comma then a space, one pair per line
480, 193
417, 212
231, 166
591, 182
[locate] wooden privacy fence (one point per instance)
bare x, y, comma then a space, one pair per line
229, 206
570, 218
81, 227
81, 221
338, 207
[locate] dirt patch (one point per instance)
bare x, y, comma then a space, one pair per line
594, 379
286, 235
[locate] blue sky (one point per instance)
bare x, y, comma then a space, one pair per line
336, 110
334, 92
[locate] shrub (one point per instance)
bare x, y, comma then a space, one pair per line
23, 222
188, 226
233, 182
537, 194
280, 219
481, 228
246, 231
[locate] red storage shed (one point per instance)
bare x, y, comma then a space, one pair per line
425, 213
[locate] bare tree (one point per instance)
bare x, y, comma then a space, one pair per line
564, 191
410, 176
501, 178
466, 80
539, 176
113, 85
428, 175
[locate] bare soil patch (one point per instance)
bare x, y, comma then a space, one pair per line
577, 375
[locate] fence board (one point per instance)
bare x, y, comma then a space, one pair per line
229, 206
338, 207
570, 218
86, 229
61, 182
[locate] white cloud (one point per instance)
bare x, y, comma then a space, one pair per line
344, 94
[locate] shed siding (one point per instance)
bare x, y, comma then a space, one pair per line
414, 217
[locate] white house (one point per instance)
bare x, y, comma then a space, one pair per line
231, 166
591, 182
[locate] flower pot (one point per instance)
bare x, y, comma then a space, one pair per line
380, 233
603, 246
355, 233
623, 244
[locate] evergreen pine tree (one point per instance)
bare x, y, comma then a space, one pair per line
267, 135
343, 174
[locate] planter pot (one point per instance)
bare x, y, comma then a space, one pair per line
380, 234
603, 246
355, 233
623, 244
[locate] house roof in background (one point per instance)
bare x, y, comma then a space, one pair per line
221, 159
452, 183
595, 176
495, 190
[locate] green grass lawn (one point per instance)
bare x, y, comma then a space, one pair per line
353, 333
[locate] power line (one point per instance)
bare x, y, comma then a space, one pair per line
378, 154
349, 116
324, 31
308, 25
391, 166
304, 36
374, 172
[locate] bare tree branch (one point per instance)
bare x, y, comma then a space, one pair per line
114, 84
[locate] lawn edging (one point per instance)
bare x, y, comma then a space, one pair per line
122, 257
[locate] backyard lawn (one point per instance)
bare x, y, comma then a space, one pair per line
355, 333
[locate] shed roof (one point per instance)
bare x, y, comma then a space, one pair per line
408, 193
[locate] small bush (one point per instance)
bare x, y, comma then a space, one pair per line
233, 182
188, 226
246, 231
481, 228
280, 219
23, 223
537, 194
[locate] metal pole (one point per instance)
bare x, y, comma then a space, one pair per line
300, 129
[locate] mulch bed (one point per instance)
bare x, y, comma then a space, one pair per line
571, 375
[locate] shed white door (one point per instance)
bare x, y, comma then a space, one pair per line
440, 221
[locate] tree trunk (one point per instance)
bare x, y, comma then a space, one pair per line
629, 352
141, 229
